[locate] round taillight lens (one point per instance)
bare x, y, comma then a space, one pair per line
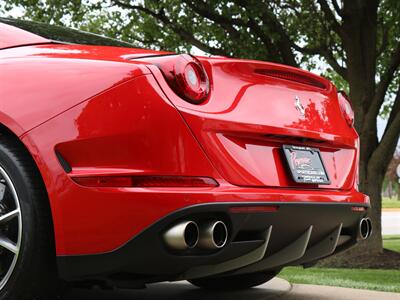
193, 81
346, 108
191, 77
186, 76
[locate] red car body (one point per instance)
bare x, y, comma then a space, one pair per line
94, 117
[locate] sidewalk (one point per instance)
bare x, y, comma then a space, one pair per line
311, 292
390, 209
275, 289
391, 221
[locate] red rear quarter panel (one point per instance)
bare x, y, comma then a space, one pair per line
127, 130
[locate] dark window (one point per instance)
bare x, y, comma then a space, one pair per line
63, 34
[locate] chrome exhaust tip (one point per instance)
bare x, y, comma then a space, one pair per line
370, 227
213, 235
364, 228
182, 236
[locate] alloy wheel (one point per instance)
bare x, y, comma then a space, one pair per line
10, 227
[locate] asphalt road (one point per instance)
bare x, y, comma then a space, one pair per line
391, 222
275, 289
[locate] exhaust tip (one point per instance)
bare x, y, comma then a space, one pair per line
191, 234
213, 235
370, 227
220, 234
365, 228
182, 236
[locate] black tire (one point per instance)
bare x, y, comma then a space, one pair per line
34, 274
235, 282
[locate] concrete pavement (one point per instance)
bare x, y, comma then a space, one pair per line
316, 292
275, 289
391, 221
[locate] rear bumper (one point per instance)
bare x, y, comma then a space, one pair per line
297, 233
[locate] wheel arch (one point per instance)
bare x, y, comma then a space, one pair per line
6, 131
10, 126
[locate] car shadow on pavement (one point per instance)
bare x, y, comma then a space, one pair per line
275, 289
174, 291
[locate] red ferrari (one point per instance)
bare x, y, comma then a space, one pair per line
122, 166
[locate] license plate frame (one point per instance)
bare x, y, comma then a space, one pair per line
306, 165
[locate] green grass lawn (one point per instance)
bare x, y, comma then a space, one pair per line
392, 242
380, 280
390, 203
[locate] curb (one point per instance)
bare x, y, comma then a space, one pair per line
390, 209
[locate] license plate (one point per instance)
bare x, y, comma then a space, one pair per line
306, 165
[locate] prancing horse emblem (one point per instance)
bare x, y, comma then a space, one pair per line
299, 106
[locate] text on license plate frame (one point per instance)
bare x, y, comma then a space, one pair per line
306, 165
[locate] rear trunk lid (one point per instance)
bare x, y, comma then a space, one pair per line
254, 109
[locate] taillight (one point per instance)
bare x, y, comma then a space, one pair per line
346, 108
186, 76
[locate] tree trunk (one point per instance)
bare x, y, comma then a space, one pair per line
366, 253
389, 189
373, 188
359, 40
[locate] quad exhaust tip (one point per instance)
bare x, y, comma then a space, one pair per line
213, 235
182, 236
186, 235
365, 228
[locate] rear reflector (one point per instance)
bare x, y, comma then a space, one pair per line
145, 181
358, 208
291, 76
252, 209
